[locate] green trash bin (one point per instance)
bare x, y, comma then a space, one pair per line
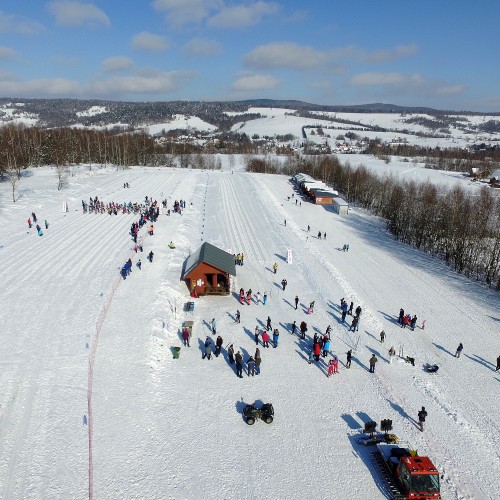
176, 352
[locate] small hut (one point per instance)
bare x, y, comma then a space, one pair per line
208, 271
340, 205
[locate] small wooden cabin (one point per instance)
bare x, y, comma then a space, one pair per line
208, 271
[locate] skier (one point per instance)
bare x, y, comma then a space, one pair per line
276, 336
250, 366
373, 360
218, 346
208, 349
258, 361
239, 364
150, 256
185, 336
296, 301
284, 283
382, 336
237, 316
256, 335
349, 357
268, 324
213, 326
294, 327
265, 339
459, 350
275, 267
230, 354
421, 418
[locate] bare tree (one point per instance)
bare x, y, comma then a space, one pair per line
14, 180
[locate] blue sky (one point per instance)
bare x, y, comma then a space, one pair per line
440, 53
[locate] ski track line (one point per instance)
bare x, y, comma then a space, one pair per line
91, 363
386, 391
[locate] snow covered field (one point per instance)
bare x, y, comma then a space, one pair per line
76, 338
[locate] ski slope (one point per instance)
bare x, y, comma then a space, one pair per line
93, 405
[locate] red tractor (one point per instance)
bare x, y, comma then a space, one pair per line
408, 475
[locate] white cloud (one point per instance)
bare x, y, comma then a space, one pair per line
117, 63
381, 56
202, 47
7, 76
148, 41
68, 13
288, 55
6, 52
181, 12
256, 82
242, 16
13, 23
67, 61
406, 84
146, 82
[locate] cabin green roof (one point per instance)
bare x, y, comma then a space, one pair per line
213, 256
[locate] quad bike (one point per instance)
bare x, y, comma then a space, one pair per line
265, 412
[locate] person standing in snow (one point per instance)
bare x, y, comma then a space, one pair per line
311, 306
401, 316
308, 228
317, 351
421, 418
392, 353
330, 368
275, 267
296, 301
373, 360
264, 298
268, 324
213, 326
237, 316
265, 339
459, 350
276, 336
250, 366
258, 361
344, 307
423, 325
46, 224
349, 312
285, 222
498, 364
354, 324
29, 223
382, 336
185, 337
326, 346
258, 297
319, 235
303, 329
358, 311
218, 346
294, 327
413, 322
256, 335
150, 256
208, 349
239, 364
284, 283
310, 358
139, 264
230, 354
349, 357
